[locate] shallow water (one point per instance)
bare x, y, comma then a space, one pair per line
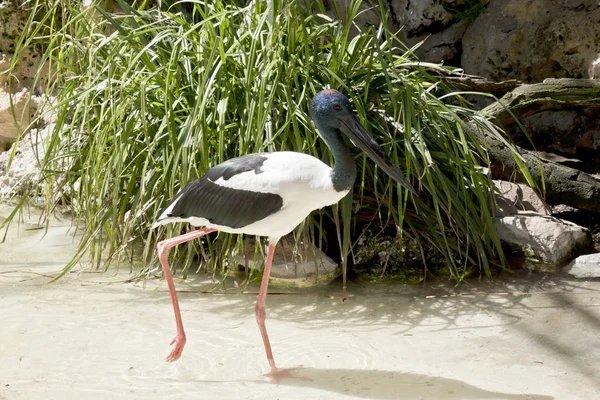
92, 336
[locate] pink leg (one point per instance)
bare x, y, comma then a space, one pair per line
259, 309
163, 255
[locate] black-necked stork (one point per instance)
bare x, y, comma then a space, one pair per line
269, 194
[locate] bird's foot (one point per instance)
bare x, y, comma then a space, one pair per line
179, 341
277, 374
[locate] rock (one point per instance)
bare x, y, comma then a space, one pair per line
440, 47
531, 40
587, 266
562, 209
13, 18
566, 132
515, 197
422, 17
300, 265
24, 170
437, 24
24, 72
570, 136
545, 242
23, 110
568, 184
16, 81
594, 71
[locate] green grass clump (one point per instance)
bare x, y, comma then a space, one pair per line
149, 99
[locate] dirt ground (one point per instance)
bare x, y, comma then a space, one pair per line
93, 336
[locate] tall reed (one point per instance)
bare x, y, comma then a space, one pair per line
149, 99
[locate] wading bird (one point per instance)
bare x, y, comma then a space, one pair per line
269, 194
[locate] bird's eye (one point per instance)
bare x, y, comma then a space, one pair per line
337, 107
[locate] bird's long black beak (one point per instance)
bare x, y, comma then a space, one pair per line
352, 127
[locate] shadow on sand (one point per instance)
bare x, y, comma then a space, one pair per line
383, 385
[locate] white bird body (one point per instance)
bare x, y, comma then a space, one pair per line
302, 181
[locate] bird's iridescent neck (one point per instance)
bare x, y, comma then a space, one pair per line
343, 173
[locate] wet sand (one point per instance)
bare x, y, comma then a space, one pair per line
93, 336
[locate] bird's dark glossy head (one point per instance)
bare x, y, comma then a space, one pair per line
328, 107
332, 114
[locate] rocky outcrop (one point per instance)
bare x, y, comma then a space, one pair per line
24, 169
524, 223
562, 177
15, 112
21, 89
531, 40
527, 40
587, 266
512, 198
438, 25
539, 240
544, 242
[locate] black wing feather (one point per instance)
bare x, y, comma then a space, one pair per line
226, 206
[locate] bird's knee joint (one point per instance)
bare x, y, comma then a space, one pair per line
160, 247
261, 313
